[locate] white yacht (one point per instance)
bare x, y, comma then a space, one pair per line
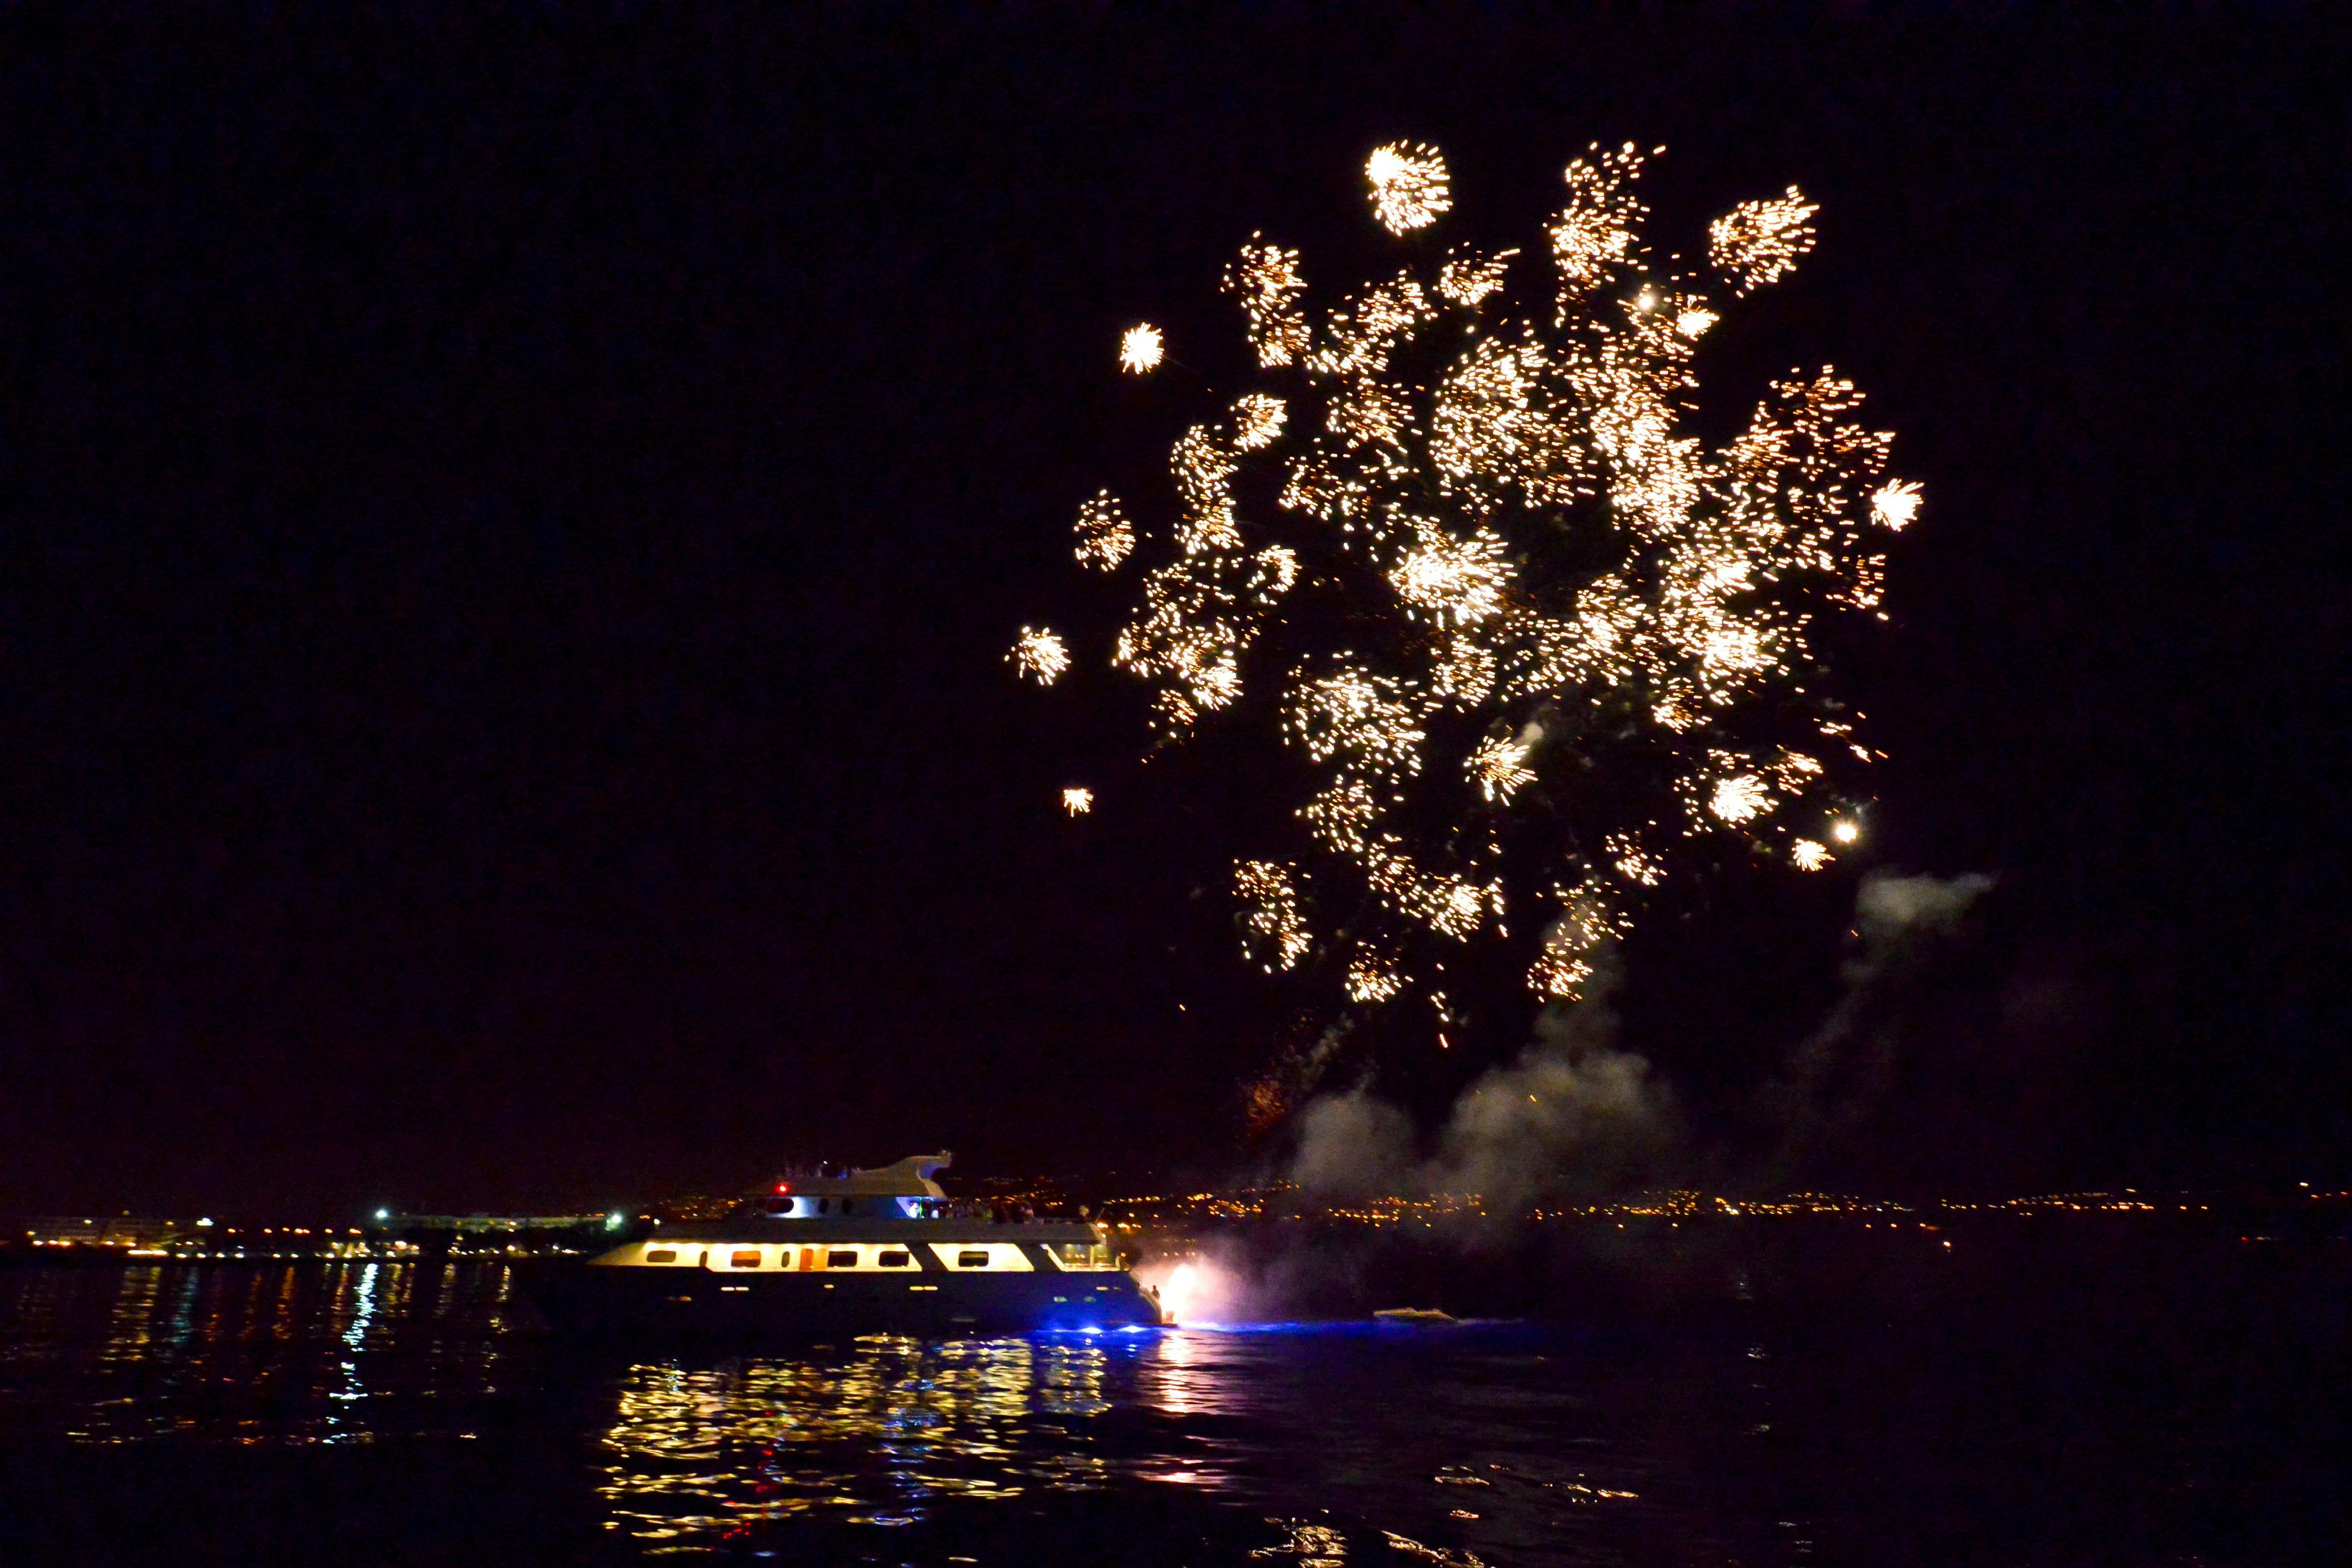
873, 1251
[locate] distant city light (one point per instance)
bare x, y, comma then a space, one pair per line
383, 1213
613, 1221
203, 1222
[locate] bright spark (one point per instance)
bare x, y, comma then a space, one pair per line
1040, 654
1454, 582
1740, 799
1077, 800
1139, 349
1501, 766
1409, 187
1808, 855
1894, 504
1845, 832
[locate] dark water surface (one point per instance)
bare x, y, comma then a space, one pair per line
1857, 1401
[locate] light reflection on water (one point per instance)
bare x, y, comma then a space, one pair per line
872, 1432
1397, 1425
283, 1353
875, 1431
1753, 1431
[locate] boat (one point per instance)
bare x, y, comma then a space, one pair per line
883, 1250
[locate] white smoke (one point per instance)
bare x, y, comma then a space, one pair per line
1846, 1068
1352, 1145
1572, 1112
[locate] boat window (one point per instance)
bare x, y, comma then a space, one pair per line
896, 1261
972, 1259
825, 1205
745, 1260
662, 1255
777, 1205
1080, 1255
843, 1259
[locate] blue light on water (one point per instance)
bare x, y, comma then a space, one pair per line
1327, 1327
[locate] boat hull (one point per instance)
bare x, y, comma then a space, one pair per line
586, 1301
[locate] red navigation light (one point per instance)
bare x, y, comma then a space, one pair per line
783, 1187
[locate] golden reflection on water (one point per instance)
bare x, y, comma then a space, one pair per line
868, 1434
279, 1354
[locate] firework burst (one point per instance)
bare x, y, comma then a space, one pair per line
1139, 349
1409, 187
1532, 648
1039, 654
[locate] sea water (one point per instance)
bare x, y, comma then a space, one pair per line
2144, 1406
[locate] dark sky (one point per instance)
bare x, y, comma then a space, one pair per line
508, 529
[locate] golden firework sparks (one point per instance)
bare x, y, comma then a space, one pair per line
1466, 280
1105, 536
1040, 654
1501, 766
1551, 587
1564, 963
1139, 349
1257, 420
1273, 931
1409, 187
1739, 800
1757, 243
1372, 977
1454, 582
1632, 862
1690, 323
1267, 281
1077, 800
1894, 504
1594, 234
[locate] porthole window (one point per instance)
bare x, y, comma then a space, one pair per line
896, 1260
843, 1259
972, 1259
662, 1255
744, 1260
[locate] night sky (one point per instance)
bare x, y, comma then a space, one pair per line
509, 527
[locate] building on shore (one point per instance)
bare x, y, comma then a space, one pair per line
122, 1233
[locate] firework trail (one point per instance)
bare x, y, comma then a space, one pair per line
1534, 649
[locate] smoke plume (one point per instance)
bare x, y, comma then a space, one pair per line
1573, 1113
1844, 1070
